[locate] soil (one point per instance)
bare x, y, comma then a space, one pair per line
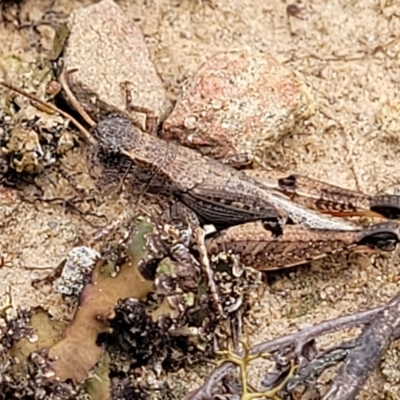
348, 52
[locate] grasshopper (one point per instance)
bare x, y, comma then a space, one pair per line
216, 192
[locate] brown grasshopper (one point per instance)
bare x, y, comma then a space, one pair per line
214, 191
217, 193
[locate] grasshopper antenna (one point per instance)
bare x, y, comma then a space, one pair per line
84, 133
62, 79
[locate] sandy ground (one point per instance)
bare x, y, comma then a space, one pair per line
348, 52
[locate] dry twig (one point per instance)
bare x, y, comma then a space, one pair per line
370, 347
361, 355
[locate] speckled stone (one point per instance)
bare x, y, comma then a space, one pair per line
239, 101
107, 49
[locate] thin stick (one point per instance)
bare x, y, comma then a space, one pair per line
84, 133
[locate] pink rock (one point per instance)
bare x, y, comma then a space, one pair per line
238, 102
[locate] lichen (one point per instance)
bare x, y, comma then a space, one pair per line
77, 352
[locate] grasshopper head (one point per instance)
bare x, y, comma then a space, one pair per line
116, 133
